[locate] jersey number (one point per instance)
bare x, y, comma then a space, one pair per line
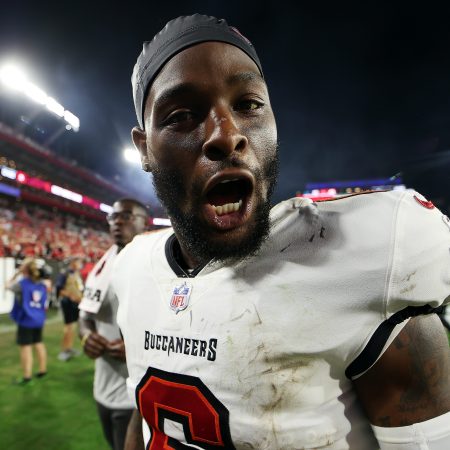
184, 399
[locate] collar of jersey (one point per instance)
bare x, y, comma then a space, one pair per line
173, 255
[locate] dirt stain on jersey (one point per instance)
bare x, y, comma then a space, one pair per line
407, 289
247, 395
281, 375
247, 311
285, 248
259, 349
258, 320
408, 277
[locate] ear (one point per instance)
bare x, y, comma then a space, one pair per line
139, 138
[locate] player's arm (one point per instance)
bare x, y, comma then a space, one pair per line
13, 282
410, 384
13, 286
93, 344
134, 439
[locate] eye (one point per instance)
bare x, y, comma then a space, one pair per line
178, 117
249, 105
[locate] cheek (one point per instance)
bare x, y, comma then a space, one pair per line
128, 230
180, 156
263, 141
175, 149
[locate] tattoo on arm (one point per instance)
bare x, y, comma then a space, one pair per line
429, 368
411, 381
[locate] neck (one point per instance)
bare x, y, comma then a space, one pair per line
186, 259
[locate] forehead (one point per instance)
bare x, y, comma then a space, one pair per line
203, 64
124, 206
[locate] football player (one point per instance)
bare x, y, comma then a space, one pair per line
248, 326
99, 333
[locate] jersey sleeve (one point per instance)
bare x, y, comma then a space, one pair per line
419, 277
16, 288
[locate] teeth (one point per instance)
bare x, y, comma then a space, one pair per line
228, 181
228, 208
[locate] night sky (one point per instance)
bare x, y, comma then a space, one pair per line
358, 92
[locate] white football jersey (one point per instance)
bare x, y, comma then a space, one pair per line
259, 355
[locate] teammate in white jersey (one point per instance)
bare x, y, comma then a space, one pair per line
100, 335
245, 327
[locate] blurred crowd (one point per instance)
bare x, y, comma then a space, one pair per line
31, 231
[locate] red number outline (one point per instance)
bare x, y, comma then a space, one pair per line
184, 399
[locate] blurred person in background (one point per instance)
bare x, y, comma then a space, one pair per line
69, 290
100, 335
29, 312
88, 266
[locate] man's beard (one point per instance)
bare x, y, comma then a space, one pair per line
193, 233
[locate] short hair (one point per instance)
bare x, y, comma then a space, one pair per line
30, 264
134, 202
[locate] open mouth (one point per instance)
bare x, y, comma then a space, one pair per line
117, 233
229, 196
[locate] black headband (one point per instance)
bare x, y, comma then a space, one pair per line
176, 36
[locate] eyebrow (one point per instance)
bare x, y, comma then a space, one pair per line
244, 77
188, 88
123, 211
175, 91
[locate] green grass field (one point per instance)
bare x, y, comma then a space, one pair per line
55, 412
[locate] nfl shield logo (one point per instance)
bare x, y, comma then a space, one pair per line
180, 297
36, 295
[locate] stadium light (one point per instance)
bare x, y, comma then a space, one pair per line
65, 193
72, 120
8, 172
55, 107
106, 208
161, 222
14, 78
132, 155
34, 93
21, 177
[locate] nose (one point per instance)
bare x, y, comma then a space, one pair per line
223, 136
117, 220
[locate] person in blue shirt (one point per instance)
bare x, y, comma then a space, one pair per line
30, 296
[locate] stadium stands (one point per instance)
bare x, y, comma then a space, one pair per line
33, 230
